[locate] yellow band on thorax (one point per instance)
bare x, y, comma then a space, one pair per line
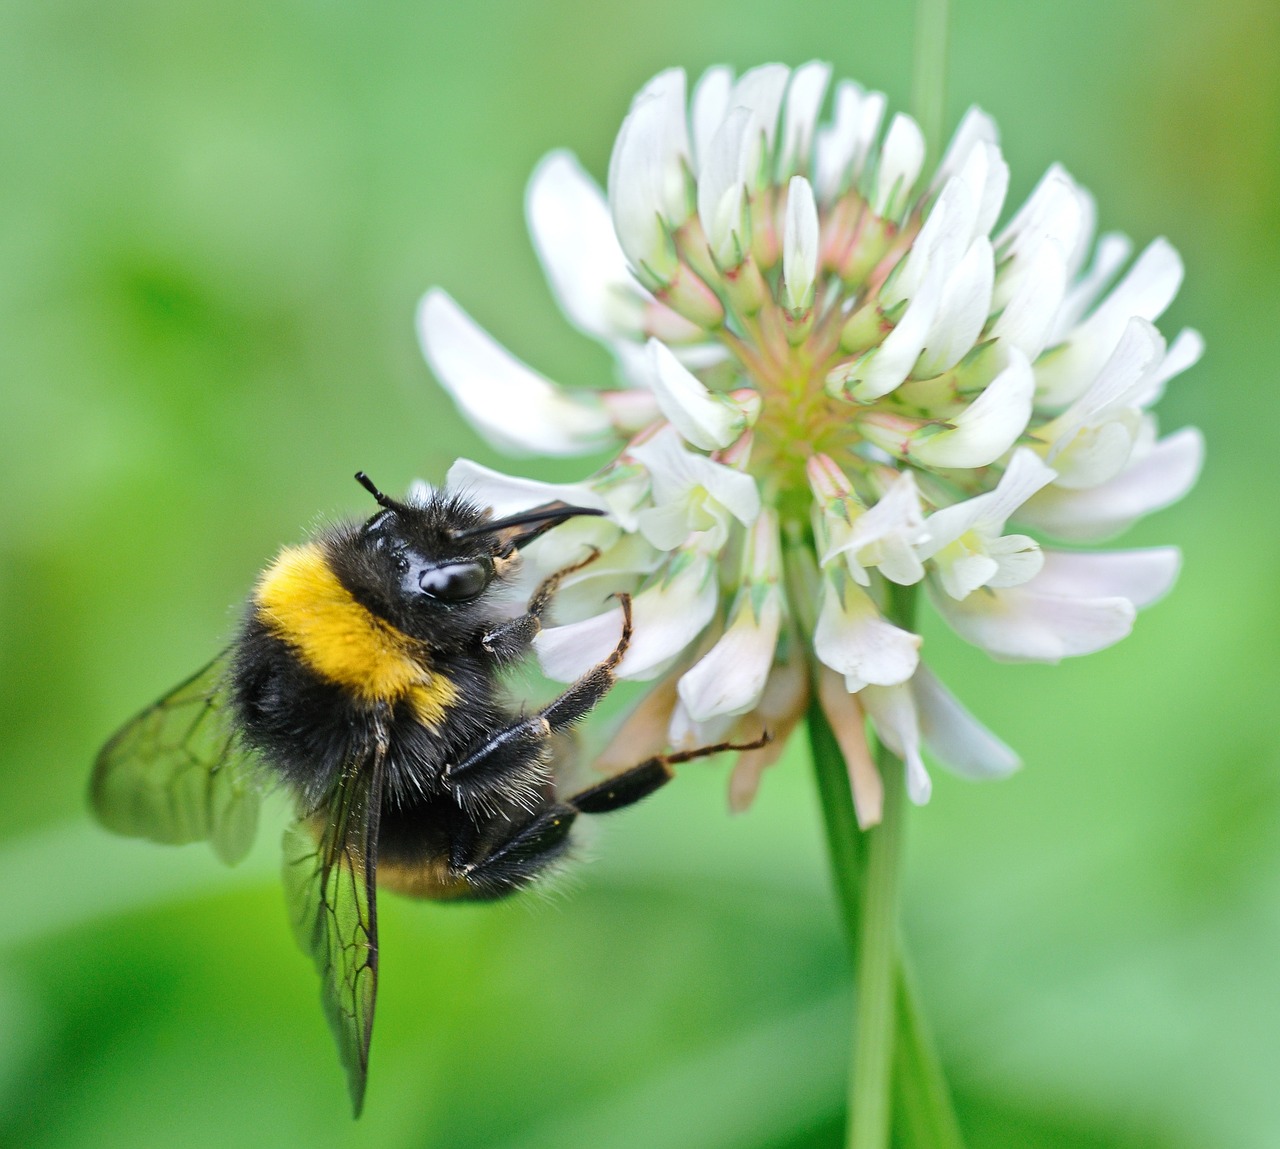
302, 602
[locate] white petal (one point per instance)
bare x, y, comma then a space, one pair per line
1147, 484
799, 245
675, 470
1121, 379
1183, 354
1018, 560
897, 514
897, 510
901, 158
886, 368
623, 565
854, 639
705, 420
1084, 237
647, 172
893, 713
667, 526
975, 128
732, 157
1113, 250
1057, 211
730, 677
994, 191
837, 144
1027, 319
1092, 440
986, 173
760, 90
710, 103
507, 494
989, 426
870, 115
1021, 624
1024, 475
635, 372
938, 247
1098, 452
513, 406
962, 314
781, 708
668, 617
1145, 292
804, 98
573, 234
957, 739
1141, 576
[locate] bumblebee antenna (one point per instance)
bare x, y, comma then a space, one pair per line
382, 500
550, 515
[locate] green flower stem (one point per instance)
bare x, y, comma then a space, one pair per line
844, 839
923, 1116
892, 1040
929, 71
876, 971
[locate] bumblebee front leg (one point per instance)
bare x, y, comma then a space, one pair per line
489, 767
511, 640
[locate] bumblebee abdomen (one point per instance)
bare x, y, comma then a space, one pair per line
434, 849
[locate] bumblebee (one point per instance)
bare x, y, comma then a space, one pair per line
364, 679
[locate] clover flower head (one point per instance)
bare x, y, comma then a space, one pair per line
838, 374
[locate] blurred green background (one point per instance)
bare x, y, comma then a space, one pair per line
215, 220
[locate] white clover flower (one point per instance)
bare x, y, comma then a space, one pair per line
841, 378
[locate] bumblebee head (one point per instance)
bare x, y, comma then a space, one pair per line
421, 565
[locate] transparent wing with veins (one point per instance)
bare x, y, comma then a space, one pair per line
178, 773
330, 863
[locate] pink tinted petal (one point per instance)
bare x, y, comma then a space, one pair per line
848, 723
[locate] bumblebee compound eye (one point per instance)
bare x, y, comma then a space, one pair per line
455, 582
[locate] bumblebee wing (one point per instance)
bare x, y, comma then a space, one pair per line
330, 864
178, 773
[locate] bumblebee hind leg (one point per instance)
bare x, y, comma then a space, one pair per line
640, 781
539, 843
528, 851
